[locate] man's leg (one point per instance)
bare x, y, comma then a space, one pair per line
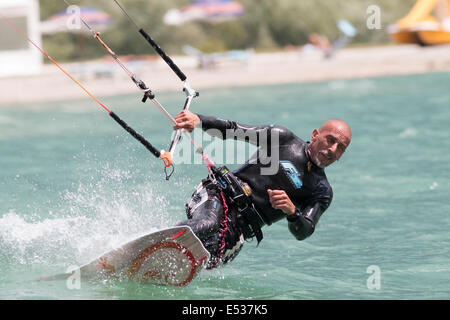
204, 211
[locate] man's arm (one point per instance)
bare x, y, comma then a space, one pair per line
226, 129
302, 224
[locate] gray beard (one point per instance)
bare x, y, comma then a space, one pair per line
315, 159
317, 162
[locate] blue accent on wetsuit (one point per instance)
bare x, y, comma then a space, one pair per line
292, 173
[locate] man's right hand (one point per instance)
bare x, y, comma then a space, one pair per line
186, 120
280, 200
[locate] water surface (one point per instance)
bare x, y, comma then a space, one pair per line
73, 184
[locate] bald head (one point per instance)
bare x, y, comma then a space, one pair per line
339, 126
329, 142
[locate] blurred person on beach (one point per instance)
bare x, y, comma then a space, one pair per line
318, 41
297, 189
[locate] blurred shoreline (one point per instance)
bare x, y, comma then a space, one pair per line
104, 78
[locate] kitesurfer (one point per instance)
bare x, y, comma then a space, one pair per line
297, 190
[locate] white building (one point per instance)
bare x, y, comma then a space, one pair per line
17, 56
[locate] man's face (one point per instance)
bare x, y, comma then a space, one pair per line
328, 145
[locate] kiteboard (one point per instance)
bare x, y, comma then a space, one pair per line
173, 257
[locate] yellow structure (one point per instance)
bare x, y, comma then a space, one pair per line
421, 27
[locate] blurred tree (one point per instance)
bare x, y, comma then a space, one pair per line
267, 24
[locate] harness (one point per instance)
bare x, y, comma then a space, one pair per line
238, 194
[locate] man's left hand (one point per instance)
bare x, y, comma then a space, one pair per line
280, 200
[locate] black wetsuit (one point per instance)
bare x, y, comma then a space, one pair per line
304, 182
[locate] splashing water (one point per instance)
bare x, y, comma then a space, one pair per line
96, 217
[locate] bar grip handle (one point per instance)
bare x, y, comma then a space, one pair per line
163, 55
